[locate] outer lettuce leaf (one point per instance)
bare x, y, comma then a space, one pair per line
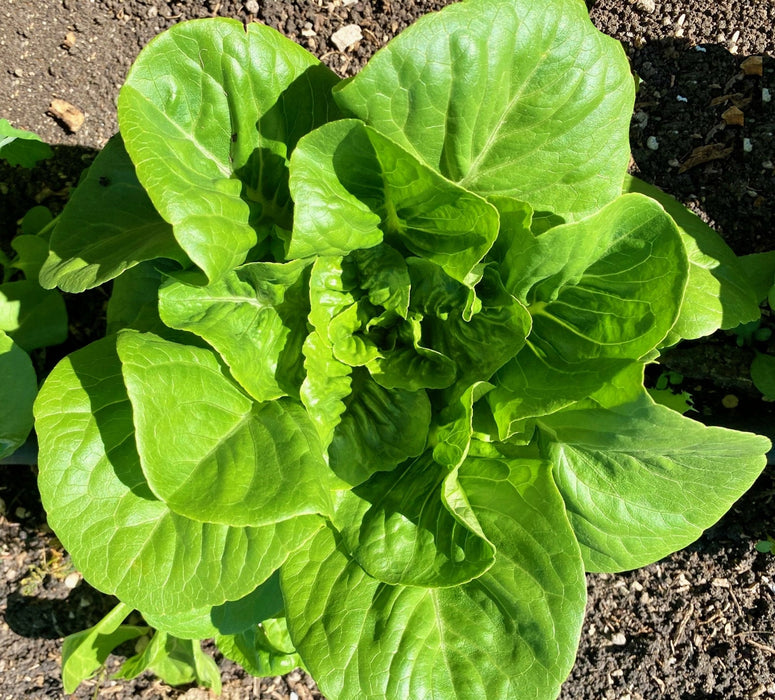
503, 97
20, 147
760, 273
719, 294
134, 301
641, 481
121, 537
514, 628
255, 317
601, 292
211, 142
109, 225
223, 458
20, 385
352, 185
34, 317
229, 618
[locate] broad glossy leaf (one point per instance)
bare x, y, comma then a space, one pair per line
211, 142
641, 481
34, 317
211, 453
511, 633
121, 537
400, 529
719, 294
601, 292
32, 252
20, 385
255, 317
109, 225
175, 661
379, 429
352, 185
264, 650
20, 147
383, 274
231, 617
84, 653
506, 97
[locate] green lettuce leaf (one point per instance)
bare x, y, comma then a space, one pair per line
123, 539
514, 628
211, 143
641, 481
224, 458
503, 97
255, 317
264, 650
719, 294
84, 653
601, 292
20, 386
109, 225
400, 529
352, 183
34, 317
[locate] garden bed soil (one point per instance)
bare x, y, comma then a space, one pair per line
698, 624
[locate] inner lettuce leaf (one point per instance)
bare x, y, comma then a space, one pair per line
354, 188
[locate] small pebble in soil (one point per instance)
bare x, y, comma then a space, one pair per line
652, 143
646, 5
345, 37
766, 95
251, 6
747, 145
72, 580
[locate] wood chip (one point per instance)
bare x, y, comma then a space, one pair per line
69, 41
67, 114
752, 65
705, 154
734, 116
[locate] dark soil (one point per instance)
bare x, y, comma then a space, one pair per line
699, 624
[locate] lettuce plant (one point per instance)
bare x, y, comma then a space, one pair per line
30, 317
372, 400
